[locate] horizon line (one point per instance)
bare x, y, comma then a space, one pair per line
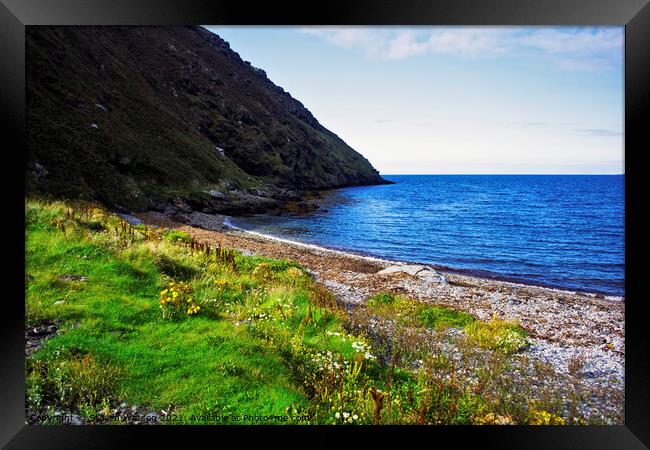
467, 173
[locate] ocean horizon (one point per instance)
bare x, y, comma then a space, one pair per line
553, 230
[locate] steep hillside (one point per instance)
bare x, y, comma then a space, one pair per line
136, 117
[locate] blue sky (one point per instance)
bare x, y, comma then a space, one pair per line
455, 99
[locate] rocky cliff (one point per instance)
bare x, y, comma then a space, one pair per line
137, 117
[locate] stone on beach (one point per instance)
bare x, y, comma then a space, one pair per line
423, 272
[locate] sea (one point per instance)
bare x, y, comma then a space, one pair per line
558, 231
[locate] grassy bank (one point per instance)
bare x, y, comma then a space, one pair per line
151, 319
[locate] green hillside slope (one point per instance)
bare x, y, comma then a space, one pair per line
136, 116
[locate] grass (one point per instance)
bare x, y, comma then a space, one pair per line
116, 320
177, 236
439, 317
215, 362
497, 335
411, 312
261, 338
381, 299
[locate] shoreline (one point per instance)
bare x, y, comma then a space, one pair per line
473, 273
221, 224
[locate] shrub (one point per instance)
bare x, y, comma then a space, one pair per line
176, 301
497, 334
262, 272
84, 380
248, 265
294, 276
439, 317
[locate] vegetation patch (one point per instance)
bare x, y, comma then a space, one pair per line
414, 313
381, 299
176, 301
175, 267
440, 317
177, 236
497, 334
70, 380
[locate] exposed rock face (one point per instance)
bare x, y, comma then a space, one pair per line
176, 111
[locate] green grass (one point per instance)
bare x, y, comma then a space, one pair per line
265, 340
411, 312
381, 299
440, 317
497, 334
209, 364
177, 236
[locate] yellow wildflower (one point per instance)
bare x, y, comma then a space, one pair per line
541, 417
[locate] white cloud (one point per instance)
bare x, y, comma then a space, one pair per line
399, 43
567, 48
585, 41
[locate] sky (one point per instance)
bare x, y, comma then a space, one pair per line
455, 100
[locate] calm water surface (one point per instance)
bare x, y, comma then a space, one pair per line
564, 231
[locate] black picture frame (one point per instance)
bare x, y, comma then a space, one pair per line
633, 14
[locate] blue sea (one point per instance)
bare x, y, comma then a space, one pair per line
561, 231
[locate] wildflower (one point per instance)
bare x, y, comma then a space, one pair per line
541, 417
194, 309
338, 415
174, 297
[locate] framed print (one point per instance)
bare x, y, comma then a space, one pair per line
370, 220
